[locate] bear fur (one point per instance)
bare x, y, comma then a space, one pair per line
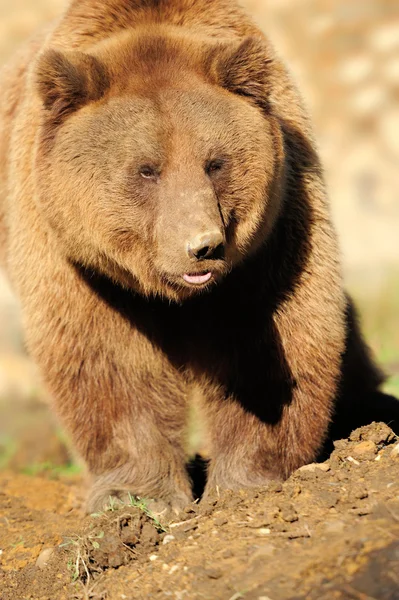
130, 129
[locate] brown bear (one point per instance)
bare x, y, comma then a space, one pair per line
165, 224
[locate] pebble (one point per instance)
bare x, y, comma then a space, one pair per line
168, 538
312, 467
352, 460
289, 515
325, 467
44, 557
213, 573
360, 493
365, 450
340, 444
263, 531
173, 569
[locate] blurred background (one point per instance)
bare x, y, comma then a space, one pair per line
344, 55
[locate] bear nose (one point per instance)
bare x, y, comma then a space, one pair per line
206, 245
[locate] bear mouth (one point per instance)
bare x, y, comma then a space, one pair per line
197, 278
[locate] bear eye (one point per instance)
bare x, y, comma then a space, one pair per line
213, 166
148, 172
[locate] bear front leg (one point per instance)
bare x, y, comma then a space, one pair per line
272, 412
127, 425
119, 398
133, 438
248, 451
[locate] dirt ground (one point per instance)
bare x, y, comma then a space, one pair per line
331, 532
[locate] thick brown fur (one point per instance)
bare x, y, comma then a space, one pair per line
96, 248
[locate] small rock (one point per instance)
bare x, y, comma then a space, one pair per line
325, 467
173, 569
263, 531
168, 538
228, 553
365, 450
213, 573
288, 512
220, 521
312, 467
44, 557
340, 444
289, 515
352, 460
360, 493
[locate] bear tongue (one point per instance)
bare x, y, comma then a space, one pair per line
201, 278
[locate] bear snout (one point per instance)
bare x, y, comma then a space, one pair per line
208, 245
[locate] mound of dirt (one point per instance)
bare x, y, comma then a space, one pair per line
330, 532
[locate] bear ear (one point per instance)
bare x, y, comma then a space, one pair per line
67, 81
243, 69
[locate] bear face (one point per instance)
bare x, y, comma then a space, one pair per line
171, 167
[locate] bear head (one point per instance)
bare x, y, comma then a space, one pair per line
159, 162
